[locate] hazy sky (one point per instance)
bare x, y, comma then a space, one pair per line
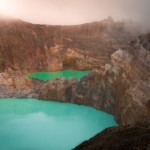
75, 11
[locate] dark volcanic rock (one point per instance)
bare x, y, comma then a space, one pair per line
119, 138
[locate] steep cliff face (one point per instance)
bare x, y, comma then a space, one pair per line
27, 47
121, 87
23, 45
131, 88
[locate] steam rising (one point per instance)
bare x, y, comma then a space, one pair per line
76, 11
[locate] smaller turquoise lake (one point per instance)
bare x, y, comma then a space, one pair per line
30, 124
63, 74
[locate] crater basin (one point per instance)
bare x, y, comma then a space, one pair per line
30, 124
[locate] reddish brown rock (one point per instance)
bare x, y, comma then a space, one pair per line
120, 88
27, 47
16, 86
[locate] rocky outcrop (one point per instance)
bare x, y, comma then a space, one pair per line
120, 88
57, 89
119, 138
81, 60
124, 85
27, 47
15, 86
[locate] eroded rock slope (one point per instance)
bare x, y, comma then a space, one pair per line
27, 47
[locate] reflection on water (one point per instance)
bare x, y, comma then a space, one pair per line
29, 124
64, 74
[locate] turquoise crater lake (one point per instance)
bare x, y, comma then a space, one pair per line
30, 124
63, 74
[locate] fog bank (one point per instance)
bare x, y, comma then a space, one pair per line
68, 12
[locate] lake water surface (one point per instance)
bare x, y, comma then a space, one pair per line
63, 74
29, 124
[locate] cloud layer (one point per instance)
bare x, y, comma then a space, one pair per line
76, 11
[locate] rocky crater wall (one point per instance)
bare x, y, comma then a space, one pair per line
120, 87
27, 47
